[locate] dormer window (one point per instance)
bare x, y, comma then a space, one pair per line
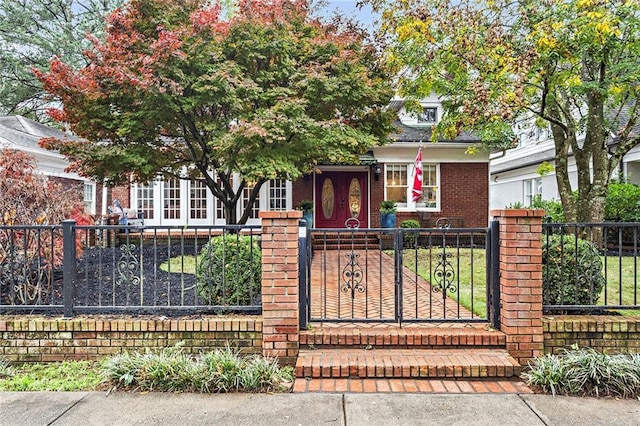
429, 115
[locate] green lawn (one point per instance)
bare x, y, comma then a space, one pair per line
55, 376
180, 264
620, 272
621, 280
469, 273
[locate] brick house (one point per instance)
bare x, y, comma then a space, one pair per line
23, 134
456, 185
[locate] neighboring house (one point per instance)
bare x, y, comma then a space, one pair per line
514, 172
455, 184
23, 134
515, 177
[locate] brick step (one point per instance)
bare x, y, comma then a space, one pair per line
405, 337
345, 241
412, 385
407, 363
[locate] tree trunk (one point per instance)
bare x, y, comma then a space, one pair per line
565, 191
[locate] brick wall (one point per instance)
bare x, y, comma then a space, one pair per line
521, 281
607, 334
25, 339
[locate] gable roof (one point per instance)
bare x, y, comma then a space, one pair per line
423, 134
23, 133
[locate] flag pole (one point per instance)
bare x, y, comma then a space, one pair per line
416, 190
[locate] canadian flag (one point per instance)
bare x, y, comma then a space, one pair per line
416, 191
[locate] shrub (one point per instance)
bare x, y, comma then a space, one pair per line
586, 372
29, 257
5, 368
571, 271
170, 369
552, 208
306, 206
410, 237
229, 271
622, 202
388, 206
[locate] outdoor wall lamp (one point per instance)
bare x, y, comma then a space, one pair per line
377, 171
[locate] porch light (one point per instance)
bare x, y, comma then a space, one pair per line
377, 171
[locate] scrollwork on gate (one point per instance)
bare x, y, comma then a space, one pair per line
352, 276
444, 275
128, 264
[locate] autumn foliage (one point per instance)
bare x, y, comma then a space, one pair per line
176, 89
569, 66
30, 246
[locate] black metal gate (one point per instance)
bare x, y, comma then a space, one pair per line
399, 275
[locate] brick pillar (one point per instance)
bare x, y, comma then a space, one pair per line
280, 285
521, 281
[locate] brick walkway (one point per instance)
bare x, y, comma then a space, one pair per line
395, 385
360, 285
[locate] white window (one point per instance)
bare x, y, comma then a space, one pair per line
144, 200
396, 187
399, 182
277, 194
255, 208
429, 115
89, 197
176, 201
532, 187
172, 199
220, 210
430, 185
198, 199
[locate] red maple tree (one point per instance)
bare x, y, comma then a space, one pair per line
176, 90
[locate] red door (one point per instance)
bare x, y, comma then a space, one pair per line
341, 196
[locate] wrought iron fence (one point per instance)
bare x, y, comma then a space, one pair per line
591, 267
121, 269
399, 275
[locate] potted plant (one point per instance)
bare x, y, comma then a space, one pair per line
306, 206
388, 214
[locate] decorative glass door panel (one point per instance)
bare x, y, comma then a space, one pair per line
328, 199
355, 198
341, 196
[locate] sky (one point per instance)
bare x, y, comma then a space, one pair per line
349, 9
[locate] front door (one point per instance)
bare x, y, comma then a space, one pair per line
339, 197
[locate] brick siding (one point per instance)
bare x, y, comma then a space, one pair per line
606, 334
25, 339
302, 189
464, 194
122, 193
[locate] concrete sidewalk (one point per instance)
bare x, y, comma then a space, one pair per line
122, 408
